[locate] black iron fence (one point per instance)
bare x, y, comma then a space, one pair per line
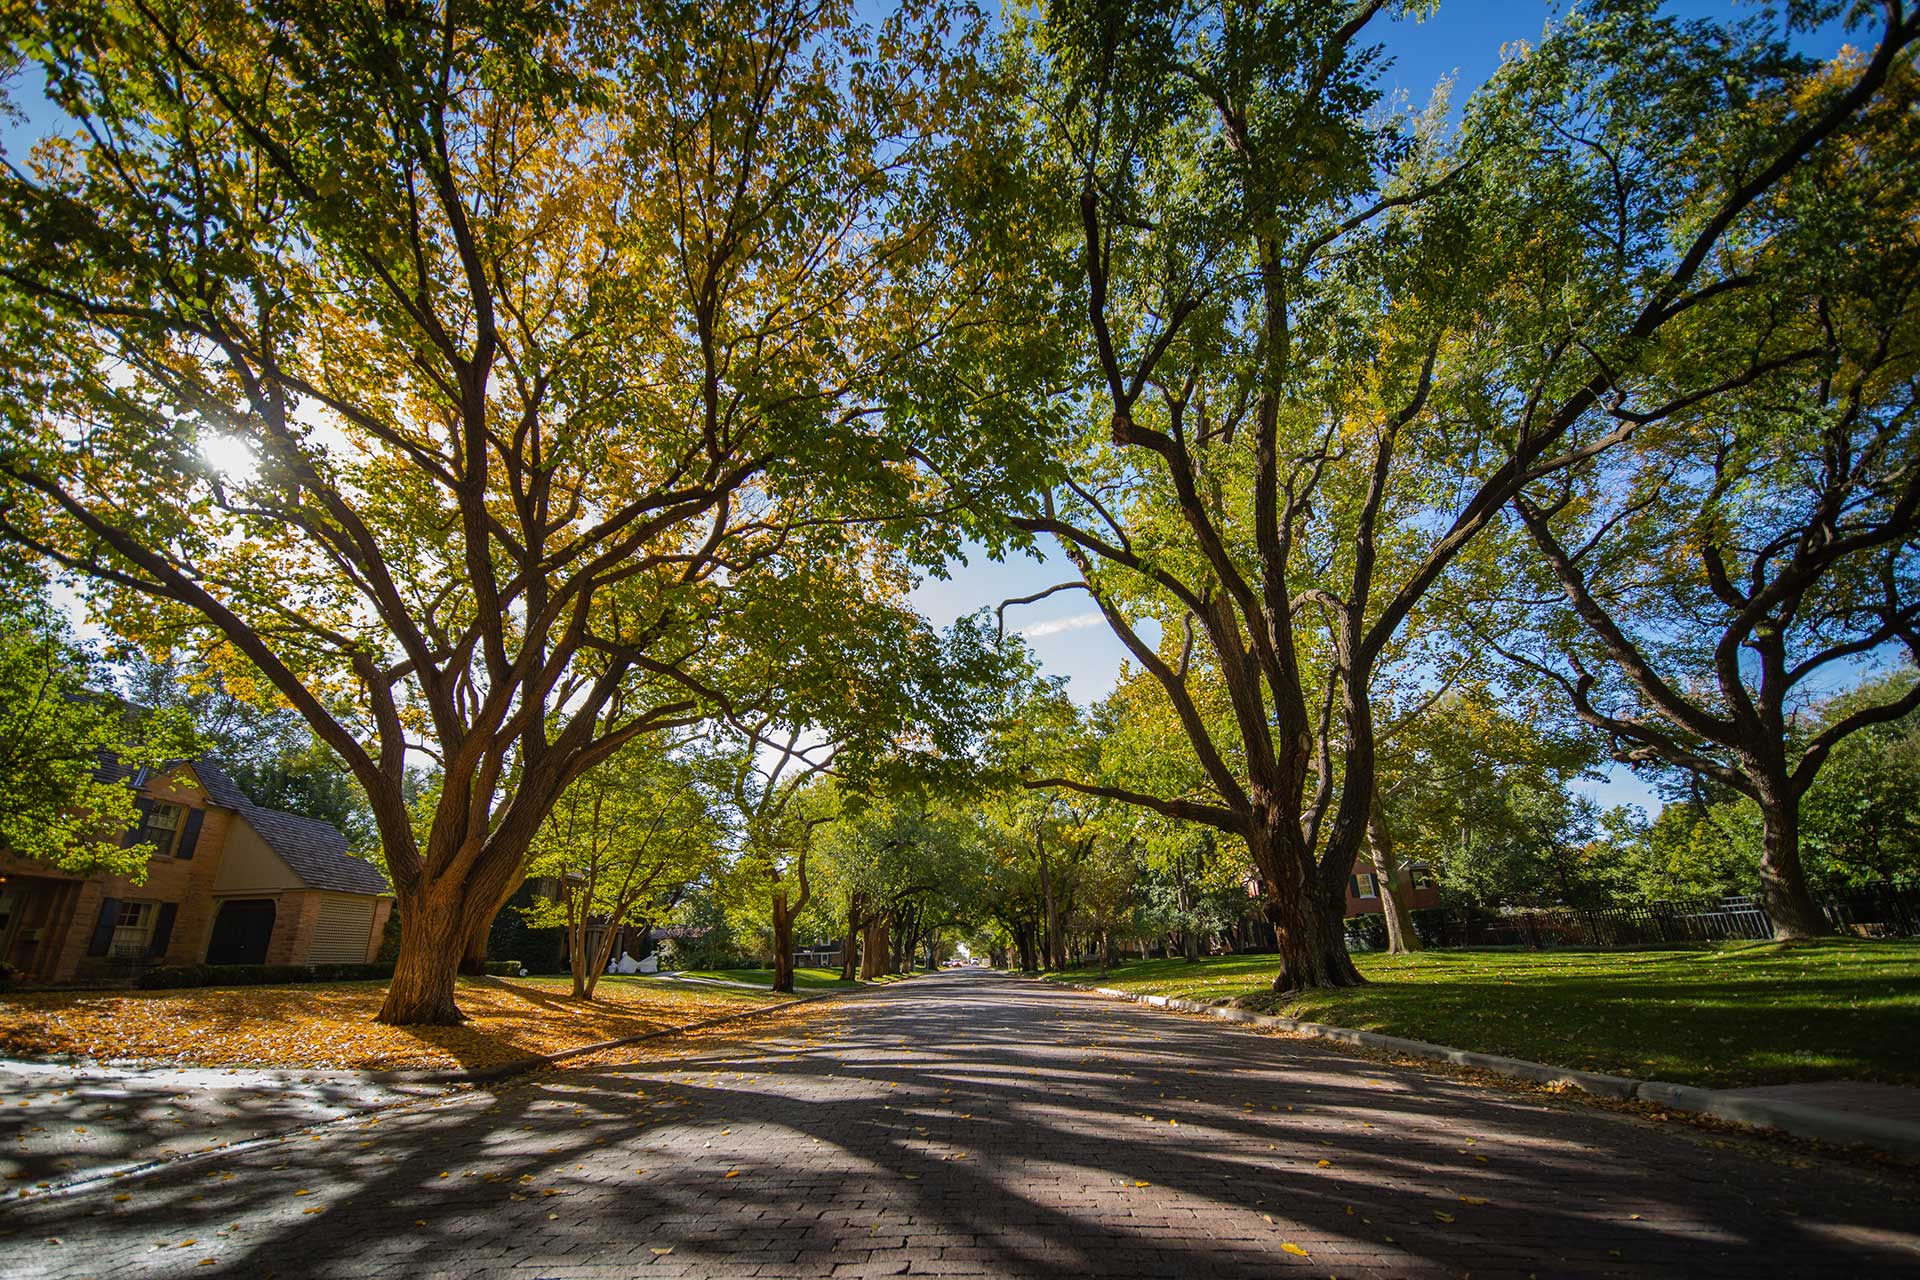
1868, 911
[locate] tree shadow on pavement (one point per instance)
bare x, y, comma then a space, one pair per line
977, 1125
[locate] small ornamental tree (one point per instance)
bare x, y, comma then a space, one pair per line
623, 843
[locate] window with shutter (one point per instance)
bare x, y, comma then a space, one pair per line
102, 940
159, 823
135, 833
162, 930
190, 834
133, 930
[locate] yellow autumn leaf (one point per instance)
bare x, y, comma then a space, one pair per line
1473, 1199
1444, 1217
1296, 1250
733, 1173
1326, 1164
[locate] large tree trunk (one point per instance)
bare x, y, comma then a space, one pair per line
1395, 883
874, 950
782, 943
1313, 944
432, 927
854, 905
1023, 939
473, 950
1783, 884
1307, 910
1056, 958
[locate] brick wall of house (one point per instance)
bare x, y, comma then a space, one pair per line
293, 927
1370, 904
185, 882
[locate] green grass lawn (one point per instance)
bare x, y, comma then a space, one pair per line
1740, 1014
609, 982
803, 979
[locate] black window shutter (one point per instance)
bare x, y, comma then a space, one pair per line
163, 928
191, 834
103, 931
143, 806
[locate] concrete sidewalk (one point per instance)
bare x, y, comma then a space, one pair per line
59, 1122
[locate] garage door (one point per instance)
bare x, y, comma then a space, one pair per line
341, 933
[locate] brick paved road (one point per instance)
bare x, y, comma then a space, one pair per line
968, 1125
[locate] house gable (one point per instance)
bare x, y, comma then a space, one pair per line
249, 866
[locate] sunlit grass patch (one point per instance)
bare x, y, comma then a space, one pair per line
1747, 1013
803, 979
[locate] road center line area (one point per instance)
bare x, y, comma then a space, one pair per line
980, 1125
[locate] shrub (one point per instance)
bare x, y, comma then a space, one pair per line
505, 968
169, 977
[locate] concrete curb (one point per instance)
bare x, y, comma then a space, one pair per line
1823, 1124
124, 1173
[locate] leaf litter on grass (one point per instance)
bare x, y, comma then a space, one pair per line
332, 1026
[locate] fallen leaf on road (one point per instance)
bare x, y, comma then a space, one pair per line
1326, 1164
733, 1173
1473, 1199
1296, 1250
661, 1253
1444, 1217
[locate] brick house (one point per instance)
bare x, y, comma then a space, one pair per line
1363, 889
229, 882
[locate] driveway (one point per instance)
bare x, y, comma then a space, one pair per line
970, 1124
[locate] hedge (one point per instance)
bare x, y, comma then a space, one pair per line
255, 975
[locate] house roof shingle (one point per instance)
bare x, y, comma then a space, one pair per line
315, 851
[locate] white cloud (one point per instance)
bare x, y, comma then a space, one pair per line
1054, 626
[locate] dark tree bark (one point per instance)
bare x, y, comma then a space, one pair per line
783, 918
1395, 884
